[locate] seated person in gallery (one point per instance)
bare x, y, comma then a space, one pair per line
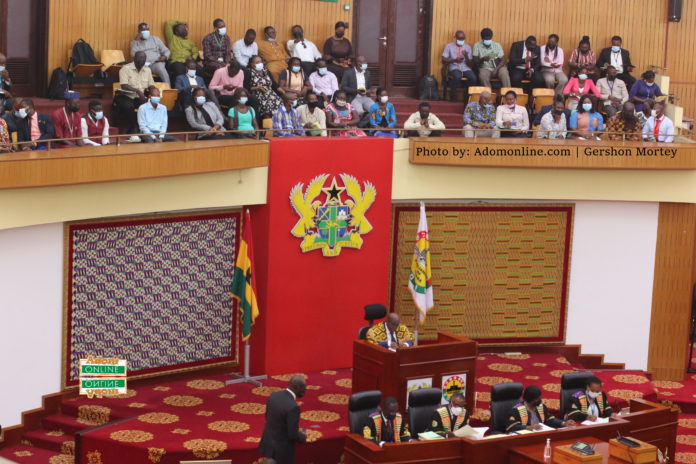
450, 417
386, 425
531, 413
591, 403
390, 333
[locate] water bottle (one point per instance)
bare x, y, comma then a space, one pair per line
547, 451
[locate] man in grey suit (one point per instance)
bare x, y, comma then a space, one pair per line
282, 423
356, 79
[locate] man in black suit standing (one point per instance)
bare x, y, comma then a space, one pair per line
619, 58
525, 63
282, 423
356, 79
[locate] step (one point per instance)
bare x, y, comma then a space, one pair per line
68, 424
47, 438
37, 456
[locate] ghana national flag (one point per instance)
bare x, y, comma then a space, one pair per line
243, 285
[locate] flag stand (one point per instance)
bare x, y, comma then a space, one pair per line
237, 378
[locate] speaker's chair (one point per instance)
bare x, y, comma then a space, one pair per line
372, 313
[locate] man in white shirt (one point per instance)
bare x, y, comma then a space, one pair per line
424, 124
323, 82
659, 128
304, 49
245, 48
612, 91
552, 65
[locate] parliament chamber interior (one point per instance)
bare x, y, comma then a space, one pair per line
347, 231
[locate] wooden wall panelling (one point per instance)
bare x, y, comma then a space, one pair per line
107, 24
672, 287
680, 65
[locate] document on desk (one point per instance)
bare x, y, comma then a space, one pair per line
600, 420
475, 433
429, 436
544, 428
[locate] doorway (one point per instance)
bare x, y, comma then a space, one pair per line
392, 35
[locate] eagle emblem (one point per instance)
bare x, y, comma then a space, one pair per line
332, 217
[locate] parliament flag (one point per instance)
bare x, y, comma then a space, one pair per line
243, 284
420, 281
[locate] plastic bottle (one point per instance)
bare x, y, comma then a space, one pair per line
547, 451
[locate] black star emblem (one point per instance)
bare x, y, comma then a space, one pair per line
333, 192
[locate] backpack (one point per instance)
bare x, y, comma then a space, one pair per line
427, 88
82, 53
58, 85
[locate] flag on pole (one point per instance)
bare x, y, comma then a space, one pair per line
420, 281
243, 284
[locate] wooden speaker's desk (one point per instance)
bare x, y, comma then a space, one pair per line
650, 422
377, 368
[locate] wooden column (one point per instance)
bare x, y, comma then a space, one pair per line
672, 288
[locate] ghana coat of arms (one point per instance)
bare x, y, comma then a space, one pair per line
333, 216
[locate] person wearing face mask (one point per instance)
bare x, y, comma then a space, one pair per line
450, 418
391, 333
31, 127
95, 125
286, 120
282, 429
341, 115
644, 89
612, 91
383, 116
153, 120
181, 47
423, 123
512, 117
294, 79
458, 58
242, 116
490, 57
205, 116
659, 128
356, 79
217, 48
591, 403
386, 425
547, 108
245, 48
273, 53
579, 86
525, 64
553, 123
134, 77
480, 115
263, 90
304, 49
324, 83
648, 110
532, 412
625, 125
552, 64
187, 83
583, 57
338, 51
67, 121
619, 58
363, 103
585, 122
226, 81
5, 84
156, 53
312, 117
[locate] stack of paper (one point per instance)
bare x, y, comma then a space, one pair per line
429, 436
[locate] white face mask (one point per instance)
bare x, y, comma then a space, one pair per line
457, 410
384, 99
341, 102
258, 66
200, 99
593, 395
21, 113
145, 34
222, 31
653, 113
191, 73
98, 115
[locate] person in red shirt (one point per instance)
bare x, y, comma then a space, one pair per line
67, 121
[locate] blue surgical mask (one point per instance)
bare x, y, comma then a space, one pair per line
155, 100
587, 106
615, 48
222, 31
98, 115
2, 68
363, 66
460, 43
200, 99
145, 34
582, 76
649, 84
322, 71
295, 69
487, 42
258, 66
191, 73
243, 100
